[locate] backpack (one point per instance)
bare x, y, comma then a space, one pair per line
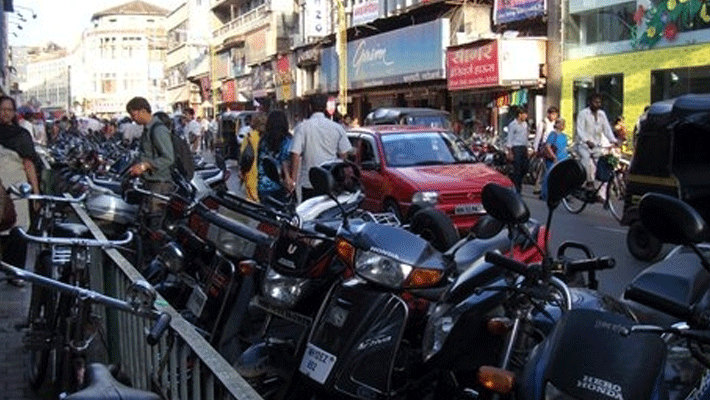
184, 162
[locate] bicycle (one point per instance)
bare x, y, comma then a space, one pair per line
61, 327
141, 298
611, 174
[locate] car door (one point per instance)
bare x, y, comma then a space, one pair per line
370, 164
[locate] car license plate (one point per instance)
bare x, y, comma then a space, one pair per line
463, 209
317, 363
196, 302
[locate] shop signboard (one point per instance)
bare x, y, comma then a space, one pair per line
473, 66
262, 80
283, 77
521, 60
228, 92
505, 11
365, 11
317, 18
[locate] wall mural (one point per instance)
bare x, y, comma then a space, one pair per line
665, 18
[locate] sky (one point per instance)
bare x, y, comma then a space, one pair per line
61, 21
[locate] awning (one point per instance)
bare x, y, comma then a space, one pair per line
206, 104
179, 95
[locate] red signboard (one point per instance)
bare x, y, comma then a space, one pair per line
228, 93
473, 66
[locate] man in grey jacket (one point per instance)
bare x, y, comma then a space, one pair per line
157, 155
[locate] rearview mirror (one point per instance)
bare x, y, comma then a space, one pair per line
563, 178
322, 180
504, 204
671, 220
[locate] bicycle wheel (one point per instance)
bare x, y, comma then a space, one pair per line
615, 199
575, 203
41, 324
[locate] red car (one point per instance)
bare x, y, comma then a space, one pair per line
405, 168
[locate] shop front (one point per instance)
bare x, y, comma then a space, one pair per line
391, 69
630, 81
487, 77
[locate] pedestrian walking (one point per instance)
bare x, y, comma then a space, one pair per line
276, 143
542, 130
517, 144
554, 150
315, 141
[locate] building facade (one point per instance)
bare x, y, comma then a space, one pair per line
634, 53
120, 56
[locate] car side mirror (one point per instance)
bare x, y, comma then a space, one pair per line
370, 166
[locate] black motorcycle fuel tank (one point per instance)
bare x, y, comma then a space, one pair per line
355, 338
588, 358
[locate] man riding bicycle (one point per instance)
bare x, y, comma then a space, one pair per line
594, 135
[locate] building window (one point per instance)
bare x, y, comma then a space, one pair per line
611, 87
670, 83
608, 24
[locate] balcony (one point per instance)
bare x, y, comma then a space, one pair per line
244, 23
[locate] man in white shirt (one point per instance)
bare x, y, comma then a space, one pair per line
193, 130
316, 140
592, 126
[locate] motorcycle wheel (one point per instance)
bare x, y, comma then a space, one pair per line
40, 319
574, 203
436, 227
641, 243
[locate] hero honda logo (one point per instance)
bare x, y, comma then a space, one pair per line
371, 342
601, 386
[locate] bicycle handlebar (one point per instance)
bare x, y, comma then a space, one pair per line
76, 241
49, 198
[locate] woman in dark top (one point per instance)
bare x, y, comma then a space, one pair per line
19, 140
275, 142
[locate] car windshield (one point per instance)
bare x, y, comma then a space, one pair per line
424, 148
433, 121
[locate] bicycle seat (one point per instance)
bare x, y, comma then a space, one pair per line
102, 385
71, 230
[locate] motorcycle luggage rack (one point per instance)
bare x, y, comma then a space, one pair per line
384, 218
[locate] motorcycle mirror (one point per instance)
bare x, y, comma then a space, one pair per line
271, 168
25, 189
671, 220
504, 204
321, 180
486, 227
563, 178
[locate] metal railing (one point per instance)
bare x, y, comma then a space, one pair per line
183, 365
243, 23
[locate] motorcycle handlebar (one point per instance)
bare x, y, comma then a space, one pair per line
507, 263
76, 241
326, 230
593, 264
44, 197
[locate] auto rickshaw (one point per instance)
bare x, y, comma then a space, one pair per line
672, 156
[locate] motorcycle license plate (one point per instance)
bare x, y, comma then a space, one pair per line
196, 302
463, 209
317, 363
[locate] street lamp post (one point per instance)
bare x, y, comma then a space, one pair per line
341, 38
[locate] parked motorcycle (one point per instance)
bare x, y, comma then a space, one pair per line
593, 354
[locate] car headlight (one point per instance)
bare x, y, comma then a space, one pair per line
442, 319
425, 198
553, 393
283, 291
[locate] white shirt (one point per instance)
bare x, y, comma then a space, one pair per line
193, 128
542, 130
591, 129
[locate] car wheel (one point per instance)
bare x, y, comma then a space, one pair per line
436, 227
392, 207
641, 243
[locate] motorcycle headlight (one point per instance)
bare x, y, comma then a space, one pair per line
392, 273
441, 320
553, 393
425, 198
172, 257
283, 291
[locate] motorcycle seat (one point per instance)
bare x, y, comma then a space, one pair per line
102, 385
680, 279
71, 230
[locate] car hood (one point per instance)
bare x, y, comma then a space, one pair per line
452, 177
